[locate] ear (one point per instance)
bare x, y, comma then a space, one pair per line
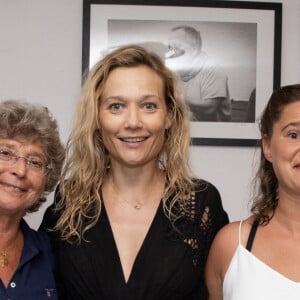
267, 148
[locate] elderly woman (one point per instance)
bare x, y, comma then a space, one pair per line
31, 158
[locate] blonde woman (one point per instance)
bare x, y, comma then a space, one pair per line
130, 221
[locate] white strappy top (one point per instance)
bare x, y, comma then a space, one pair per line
248, 278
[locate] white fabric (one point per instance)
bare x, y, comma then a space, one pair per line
248, 278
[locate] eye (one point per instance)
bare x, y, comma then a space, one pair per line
115, 106
6, 154
150, 106
294, 135
35, 163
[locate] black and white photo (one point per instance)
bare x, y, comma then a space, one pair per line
224, 59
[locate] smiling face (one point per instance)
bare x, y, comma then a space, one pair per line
133, 115
282, 149
182, 52
20, 186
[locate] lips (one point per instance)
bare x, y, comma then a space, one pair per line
133, 139
173, 53
13, 187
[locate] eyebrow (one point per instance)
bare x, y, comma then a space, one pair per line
294, 124
121, 98
10, 146
34, 153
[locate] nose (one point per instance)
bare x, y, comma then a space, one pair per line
19, 168
133, 118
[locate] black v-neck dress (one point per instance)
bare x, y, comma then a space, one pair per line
169, 265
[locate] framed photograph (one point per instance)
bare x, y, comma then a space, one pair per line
227, 81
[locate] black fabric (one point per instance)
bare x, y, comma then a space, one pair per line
169, 265
252, 235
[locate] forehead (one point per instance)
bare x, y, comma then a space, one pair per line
180, 36
132, 69
22, 144
177, 35
290, 112
290, 115
122, 76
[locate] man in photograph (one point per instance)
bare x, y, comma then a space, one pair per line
205, 82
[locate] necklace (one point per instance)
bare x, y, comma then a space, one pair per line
3, 259
136, 206
4, 262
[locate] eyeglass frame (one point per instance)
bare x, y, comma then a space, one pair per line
13, 158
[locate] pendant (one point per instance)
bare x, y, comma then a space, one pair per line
137, 206
3, 259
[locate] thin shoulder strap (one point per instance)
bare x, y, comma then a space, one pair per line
240, 231
252, 235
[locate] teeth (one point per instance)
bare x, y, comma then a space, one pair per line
133, 139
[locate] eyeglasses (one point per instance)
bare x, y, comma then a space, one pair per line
33, 163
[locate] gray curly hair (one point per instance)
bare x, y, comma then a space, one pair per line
34, 122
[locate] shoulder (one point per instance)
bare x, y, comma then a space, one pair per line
221, 253
204, 189
228, 239
51, 214
207, 195
228, 236
212, 67
222, 250
219, 258
34, 238
208, 206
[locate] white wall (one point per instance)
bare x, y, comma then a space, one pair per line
40, 61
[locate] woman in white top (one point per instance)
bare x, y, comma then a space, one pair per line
259, 258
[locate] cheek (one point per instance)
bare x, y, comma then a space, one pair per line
108, 127
158, 124
281, 157
109, 124
159, 137
39, 184
107, 135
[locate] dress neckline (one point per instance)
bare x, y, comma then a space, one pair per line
146, 242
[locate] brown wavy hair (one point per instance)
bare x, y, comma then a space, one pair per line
266, 200
87, 158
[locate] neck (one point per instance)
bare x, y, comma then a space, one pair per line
135, 186
135, 178
287, 214
9, 231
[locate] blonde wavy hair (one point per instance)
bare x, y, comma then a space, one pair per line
88, 160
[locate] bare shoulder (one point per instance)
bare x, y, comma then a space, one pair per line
225, 245
221, 254
228, 236
219, 258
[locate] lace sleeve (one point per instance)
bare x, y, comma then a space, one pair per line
208, 214
203, 217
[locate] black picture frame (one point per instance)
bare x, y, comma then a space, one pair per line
262, 18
